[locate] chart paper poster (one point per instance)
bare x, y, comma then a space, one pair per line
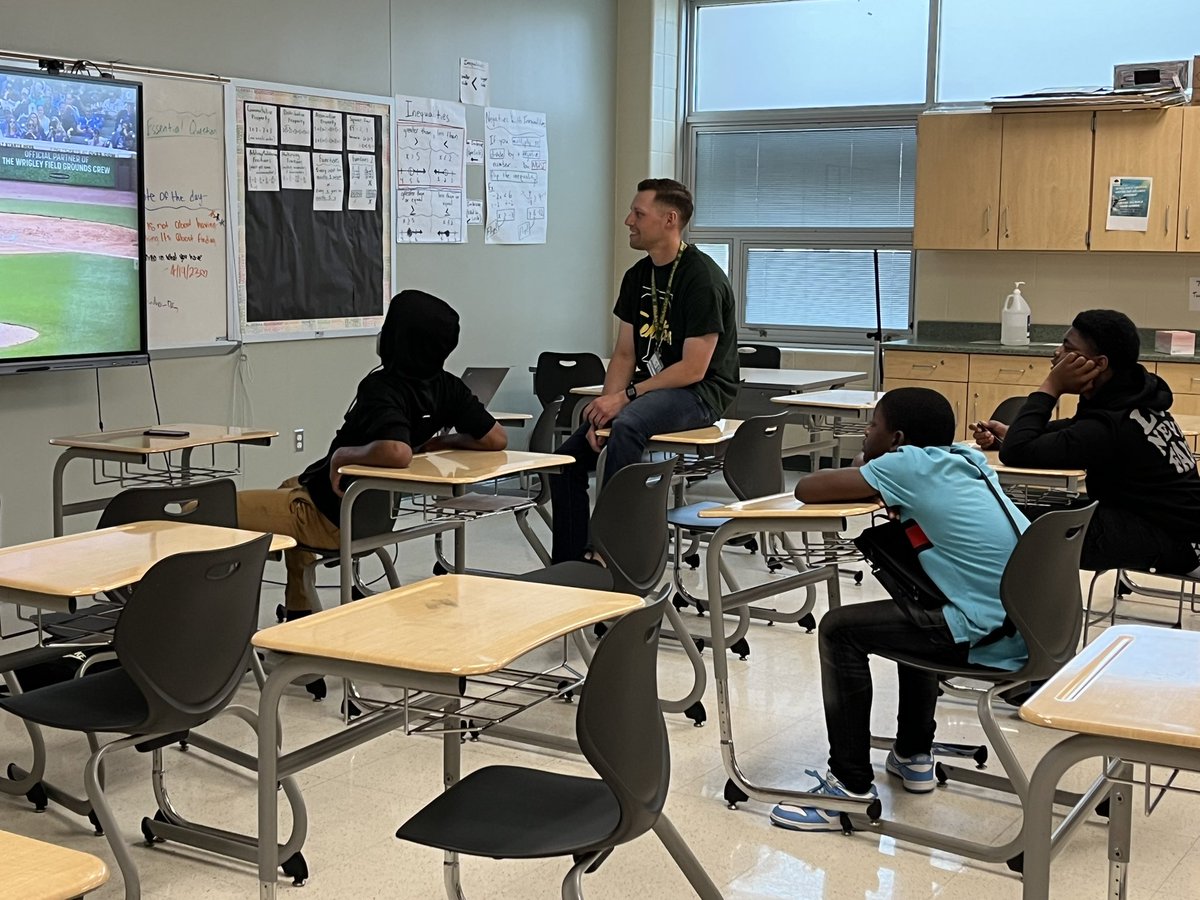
473, 81
516, 176
1129, 203
430, 171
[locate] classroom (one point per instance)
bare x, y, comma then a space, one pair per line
872, 178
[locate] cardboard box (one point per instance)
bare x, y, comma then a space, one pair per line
1177, 343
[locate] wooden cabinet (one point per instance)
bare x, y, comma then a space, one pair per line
1184, 381
1045, 181
953, 391
923, 365
958, 181
995, 378
1189, 182
1142, 143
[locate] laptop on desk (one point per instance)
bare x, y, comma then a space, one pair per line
484, 381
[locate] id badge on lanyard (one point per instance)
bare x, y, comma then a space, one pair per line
653, 360
653, 363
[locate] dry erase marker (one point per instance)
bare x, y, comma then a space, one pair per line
165, 432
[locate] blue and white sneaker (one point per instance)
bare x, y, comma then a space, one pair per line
810, 818
916, 771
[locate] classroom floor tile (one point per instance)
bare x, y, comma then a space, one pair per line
357, 800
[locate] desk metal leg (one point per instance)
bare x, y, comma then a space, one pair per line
268, 778
451, 772
1120, 831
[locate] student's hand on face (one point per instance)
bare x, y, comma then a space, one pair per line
1070, 374
596, 442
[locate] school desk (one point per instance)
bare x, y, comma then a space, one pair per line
1130, 696
425, 637
36, 870
132, 447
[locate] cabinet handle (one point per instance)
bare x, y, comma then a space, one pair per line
1167, 220
987, 220
1004, 221
929, 366
1012, 371
1187, 223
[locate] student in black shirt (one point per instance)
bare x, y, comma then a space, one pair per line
1139, 467
399, 409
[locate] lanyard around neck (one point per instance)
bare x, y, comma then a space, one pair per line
661, 322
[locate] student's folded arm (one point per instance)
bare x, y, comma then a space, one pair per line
833, 486
495, 439
1034, 441
384, 453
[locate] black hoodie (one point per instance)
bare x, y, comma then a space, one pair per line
1123, 435
410, 398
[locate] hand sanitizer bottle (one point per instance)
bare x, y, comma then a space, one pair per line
1014, 319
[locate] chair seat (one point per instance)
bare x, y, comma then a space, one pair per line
585, 575
982, 673
506, 812
688, 517
103, 701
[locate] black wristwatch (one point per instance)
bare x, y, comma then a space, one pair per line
631, 392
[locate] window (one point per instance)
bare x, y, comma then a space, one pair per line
811, 53
990, 49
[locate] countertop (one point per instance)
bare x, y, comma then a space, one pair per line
981, 337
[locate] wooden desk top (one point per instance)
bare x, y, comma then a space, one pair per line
35, 870
842, 399
450, 624
1134, 681
79, 565
510, 416
786, 506
462, 466
134, 440
993, 459
718, 432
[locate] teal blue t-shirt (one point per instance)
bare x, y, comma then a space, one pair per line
972, 538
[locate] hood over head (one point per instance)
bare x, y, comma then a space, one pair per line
419, 332
1128, 389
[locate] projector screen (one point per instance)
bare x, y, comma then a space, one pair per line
71, 209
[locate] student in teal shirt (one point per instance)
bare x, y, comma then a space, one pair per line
909, 461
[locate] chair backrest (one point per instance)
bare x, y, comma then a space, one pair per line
557, 373
629, 525
1040, 589
753, 465
541, 439
620, 725
759, 356
203, 503
1008, 409
484, 381
184, 636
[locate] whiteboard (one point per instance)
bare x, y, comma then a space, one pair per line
187, 237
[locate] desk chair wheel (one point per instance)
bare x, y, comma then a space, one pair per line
567, 696
858, 577
99, 829
318, 689
699, 643
599, 630
468, 730
354, 709
808, 622
701, 607
939, 772
697, 714
679, 601
774, 564
734, 794
439, 569
1017, 863
751, 544
36, 794
847, 825
184, 746
280, 613
741, 647
692, 560
296, 868
148, 829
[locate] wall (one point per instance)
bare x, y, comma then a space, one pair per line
971, 286
552, 56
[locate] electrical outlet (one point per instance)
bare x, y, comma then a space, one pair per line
298, 440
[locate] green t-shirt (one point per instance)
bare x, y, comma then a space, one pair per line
699, 302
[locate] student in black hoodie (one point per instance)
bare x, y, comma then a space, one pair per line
1139, 467
398, 410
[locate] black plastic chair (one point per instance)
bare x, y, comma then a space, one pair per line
759, 356
182, 643
555, 375
203, 503
509, 812
1008, 409
1042, 599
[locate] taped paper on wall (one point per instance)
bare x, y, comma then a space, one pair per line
1129, 203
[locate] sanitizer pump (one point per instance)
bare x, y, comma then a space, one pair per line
1014, 319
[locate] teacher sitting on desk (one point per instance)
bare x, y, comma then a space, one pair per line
1140, 469
674, 366
398, 409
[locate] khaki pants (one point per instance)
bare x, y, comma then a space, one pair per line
289, 510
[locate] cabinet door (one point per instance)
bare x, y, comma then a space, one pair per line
1139, 143
996, 368
958, 181
954, 391
983, 398
1189, 182
1045, 181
